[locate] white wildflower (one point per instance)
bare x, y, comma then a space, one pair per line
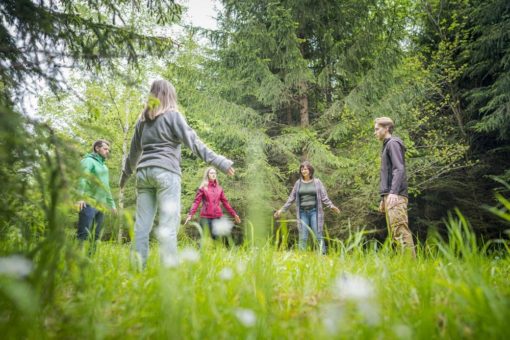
332, 318
15, 266
246, 316
169, 208
403, 331
222, 226
352, 287
241, 267
170, 260
226, 274
189, 254
370, 312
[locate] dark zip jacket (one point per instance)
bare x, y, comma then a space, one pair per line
393, 167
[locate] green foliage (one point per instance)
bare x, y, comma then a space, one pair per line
37, 37
439, 68
489, 70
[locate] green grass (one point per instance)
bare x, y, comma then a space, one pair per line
295, 295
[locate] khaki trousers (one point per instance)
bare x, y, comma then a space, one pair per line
398, 225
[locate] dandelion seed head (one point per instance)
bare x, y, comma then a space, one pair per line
246, 317
370, 312
163, 234
15, 266
222, 226
226, 274
332, 318
241, 267
170, 260
353, 287
403, 331
169, 208
189, 254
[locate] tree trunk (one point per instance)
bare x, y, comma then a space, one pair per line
303, 105
125, 131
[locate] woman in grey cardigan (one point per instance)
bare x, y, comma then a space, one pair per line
156, 155
309, 194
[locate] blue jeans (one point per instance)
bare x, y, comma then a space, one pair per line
309, 220
157, 188
208, 223
90, 223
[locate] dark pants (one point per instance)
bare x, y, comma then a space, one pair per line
90, 223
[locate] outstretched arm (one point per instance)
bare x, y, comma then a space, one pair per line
196, 203
135, 152
290, 200
189, 137
229, 208
325, 198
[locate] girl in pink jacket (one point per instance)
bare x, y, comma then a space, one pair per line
210, 194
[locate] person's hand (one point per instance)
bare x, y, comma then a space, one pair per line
336, 210
81, 205
114, 211
381, 206
237, 219
231, 171
187, 219
277, 213
392, 201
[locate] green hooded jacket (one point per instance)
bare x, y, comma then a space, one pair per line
95, 181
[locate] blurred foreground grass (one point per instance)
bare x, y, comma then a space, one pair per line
260, 293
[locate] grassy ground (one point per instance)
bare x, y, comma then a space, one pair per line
260, 293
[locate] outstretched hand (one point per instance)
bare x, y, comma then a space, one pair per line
81, 205
391, 201
231, 171
277, 213
336, 210
237, 219
187, 219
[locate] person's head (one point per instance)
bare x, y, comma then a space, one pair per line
383, 127
210, 174
306, 170
101, 147
162, 98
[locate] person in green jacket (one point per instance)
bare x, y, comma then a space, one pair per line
94, 190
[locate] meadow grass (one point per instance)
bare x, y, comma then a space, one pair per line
360, 290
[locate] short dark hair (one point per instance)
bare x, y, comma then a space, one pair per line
309, 166
99, 143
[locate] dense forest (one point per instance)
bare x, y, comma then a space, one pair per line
276, 83
273, 85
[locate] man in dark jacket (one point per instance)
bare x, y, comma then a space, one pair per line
393, 186
94, 190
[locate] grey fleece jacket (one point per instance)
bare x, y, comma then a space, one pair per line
158, 143
393, 168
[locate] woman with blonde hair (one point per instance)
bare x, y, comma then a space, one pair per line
210, 194
155, 153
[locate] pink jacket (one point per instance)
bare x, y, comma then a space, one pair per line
211, 196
